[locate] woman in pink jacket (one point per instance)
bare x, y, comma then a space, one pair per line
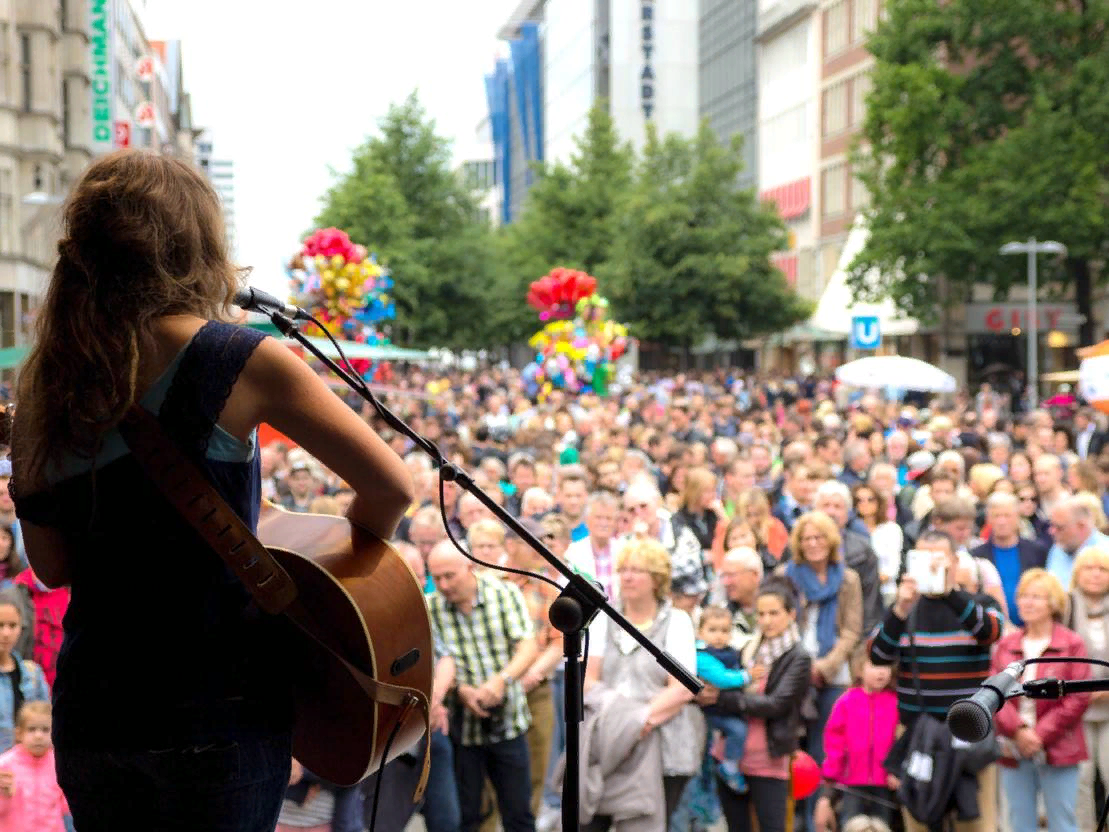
30, 798
858, 736
1045, 739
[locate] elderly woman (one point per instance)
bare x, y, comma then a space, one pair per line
782, 671
1089, 617
1045, 739
618, 662
831, 607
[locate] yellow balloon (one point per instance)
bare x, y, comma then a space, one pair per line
337, 261
342, 284
326, 276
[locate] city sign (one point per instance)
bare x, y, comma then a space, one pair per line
102, 76
866, 332
1003, 318
144, 114
144, 68
647, 77
123, 134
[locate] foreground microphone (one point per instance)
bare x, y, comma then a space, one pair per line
258, 301
970, 719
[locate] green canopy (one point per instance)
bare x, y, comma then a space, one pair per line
13, 356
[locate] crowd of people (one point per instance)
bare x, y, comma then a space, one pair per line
771, 535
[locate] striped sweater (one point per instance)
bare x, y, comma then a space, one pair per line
953, 639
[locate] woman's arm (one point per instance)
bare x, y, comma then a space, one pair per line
666, 704
278, 388
47, 552
850, 599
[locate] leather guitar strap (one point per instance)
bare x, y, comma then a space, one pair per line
198, 502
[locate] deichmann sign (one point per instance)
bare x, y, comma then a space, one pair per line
1003, 318
647, 77
102, 74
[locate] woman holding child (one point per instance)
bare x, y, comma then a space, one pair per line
781, 671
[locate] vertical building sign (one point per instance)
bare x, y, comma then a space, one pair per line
102, 75
647, 77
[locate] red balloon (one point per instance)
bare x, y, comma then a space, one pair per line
806, 775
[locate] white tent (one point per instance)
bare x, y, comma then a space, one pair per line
836, 308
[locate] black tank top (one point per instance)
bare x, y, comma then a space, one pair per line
163, 646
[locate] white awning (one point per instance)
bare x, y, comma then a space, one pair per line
836, 308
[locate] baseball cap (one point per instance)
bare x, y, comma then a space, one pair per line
920, 462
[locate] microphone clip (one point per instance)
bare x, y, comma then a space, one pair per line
1044, 689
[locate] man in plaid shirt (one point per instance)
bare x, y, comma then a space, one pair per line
485, 625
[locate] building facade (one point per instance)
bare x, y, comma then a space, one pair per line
221, 173
640, 57
514, 93
728, 85
788, 149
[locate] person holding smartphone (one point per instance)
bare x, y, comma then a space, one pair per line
954, 631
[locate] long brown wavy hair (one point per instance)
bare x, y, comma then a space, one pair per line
142, 237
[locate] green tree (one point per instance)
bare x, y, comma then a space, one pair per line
568, 220
691, 253
987, 122
402, 199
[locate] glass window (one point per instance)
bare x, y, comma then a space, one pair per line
833, 185
864, 17
835, 28
835, 109
25, 70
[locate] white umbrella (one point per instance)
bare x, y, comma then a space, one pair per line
896, 371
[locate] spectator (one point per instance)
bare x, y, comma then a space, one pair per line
1047, 742
960, 629
617, 662
782, 672
1072, 524
1010, 554
1088, 615
485, 625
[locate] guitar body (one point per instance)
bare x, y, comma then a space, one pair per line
362, 600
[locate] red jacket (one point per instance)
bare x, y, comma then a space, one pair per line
1058, 721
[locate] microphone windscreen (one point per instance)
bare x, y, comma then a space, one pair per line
968, 721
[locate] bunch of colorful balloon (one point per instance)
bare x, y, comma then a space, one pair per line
576, 349
344, 286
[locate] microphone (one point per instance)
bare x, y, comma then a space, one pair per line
258, 301
970, 719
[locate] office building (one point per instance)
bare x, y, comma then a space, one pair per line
728, 86
514, 93
221, 173
638, 56
788, 84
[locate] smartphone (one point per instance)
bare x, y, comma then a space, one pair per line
931, 578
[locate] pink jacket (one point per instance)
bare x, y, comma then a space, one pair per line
858, 736
38, 804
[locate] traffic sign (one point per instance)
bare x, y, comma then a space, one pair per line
866, 332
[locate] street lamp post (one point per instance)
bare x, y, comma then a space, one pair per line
1031, 248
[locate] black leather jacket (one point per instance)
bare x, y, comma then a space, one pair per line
780, 706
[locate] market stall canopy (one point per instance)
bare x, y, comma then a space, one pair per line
836, 307
13, 356
896, 371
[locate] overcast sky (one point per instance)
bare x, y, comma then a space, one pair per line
289, 94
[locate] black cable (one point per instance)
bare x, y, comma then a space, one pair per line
457, 545
381, 770
431, 449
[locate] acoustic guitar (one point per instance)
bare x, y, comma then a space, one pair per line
362, 650
358, 597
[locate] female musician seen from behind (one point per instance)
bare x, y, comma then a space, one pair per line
197, 733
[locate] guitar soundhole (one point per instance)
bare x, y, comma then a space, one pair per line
403, 663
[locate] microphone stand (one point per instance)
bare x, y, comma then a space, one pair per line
576, 606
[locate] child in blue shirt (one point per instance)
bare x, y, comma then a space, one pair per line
718, 664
